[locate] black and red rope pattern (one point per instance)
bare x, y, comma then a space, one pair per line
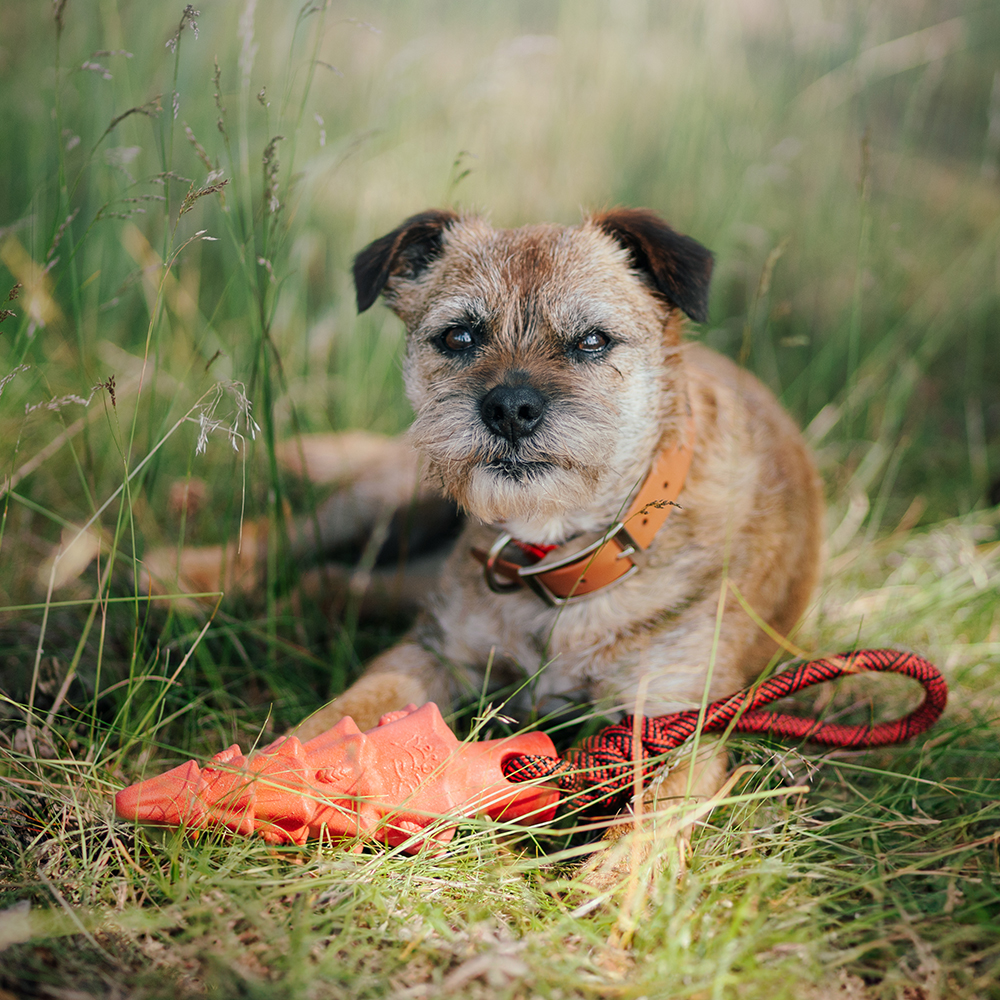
601, 769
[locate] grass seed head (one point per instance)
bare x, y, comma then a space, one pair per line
57, 239
109, 385
271, 202
11, 375
151, 109
194, 194
59, 14
95, 67
198, 147
188, 20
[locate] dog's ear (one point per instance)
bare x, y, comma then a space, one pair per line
680, 267
406, 251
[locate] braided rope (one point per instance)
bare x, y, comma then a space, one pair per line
602, 769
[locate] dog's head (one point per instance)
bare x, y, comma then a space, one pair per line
543, 363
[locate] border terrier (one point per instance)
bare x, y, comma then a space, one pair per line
617, 481
615, 478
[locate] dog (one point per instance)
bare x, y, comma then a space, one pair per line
621, 487
557, 405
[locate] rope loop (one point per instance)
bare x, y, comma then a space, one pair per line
602, 769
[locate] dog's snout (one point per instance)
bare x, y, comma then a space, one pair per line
513, 411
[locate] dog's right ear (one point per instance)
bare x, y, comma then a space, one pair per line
406, 251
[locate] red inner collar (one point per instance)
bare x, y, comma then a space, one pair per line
536, 551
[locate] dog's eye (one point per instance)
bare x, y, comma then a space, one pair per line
592, 342
457, 339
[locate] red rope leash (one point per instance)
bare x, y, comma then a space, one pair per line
601, 769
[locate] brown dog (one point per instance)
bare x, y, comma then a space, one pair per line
555, 400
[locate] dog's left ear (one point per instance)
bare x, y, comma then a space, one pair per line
680, 267
406, 251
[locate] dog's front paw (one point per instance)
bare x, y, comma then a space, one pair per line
642, 849
657, 835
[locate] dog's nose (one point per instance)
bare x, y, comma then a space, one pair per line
513, 411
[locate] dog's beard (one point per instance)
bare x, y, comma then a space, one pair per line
496, 481
521, 491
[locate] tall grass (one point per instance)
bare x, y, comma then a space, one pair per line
180, 197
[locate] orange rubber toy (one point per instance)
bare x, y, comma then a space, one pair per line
407, 783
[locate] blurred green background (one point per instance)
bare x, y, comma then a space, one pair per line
854, 146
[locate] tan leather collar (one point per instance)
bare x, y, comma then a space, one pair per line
571, 573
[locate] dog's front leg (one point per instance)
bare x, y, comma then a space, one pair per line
663, 823
405, 674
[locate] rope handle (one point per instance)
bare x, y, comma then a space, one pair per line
601, 769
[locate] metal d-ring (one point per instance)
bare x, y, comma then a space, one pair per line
492, 580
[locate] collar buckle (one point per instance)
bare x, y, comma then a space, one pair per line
496, 583
607, 558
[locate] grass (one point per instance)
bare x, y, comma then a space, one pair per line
179, 275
